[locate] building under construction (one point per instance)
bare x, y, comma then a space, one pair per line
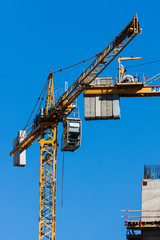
145, 225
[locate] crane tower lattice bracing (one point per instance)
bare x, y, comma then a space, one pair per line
48, 160
47, 201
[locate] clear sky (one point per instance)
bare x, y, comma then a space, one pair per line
104, 175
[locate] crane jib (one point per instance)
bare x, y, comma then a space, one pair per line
98, 65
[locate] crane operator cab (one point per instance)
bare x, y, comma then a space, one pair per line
71, 138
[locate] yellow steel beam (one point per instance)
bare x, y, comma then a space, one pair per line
124, 90
47, 196
33, 135
28, 140
50, 95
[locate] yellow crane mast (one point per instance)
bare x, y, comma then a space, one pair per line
57, 112
48, 153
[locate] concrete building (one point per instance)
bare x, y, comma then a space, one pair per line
147, 227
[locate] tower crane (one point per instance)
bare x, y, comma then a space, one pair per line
47, 123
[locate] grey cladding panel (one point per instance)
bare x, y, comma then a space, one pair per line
116, 107
98, 106
86, 107
92, 106
106, 103
102, 106
89, 107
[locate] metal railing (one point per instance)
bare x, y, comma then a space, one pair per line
153, 80
140, 217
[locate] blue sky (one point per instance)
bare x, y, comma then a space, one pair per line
104, 175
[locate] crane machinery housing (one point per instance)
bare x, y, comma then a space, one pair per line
46, 122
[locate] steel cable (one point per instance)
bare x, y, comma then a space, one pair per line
60, 70
35, 105
141, 64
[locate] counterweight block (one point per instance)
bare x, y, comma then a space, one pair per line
19, 157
